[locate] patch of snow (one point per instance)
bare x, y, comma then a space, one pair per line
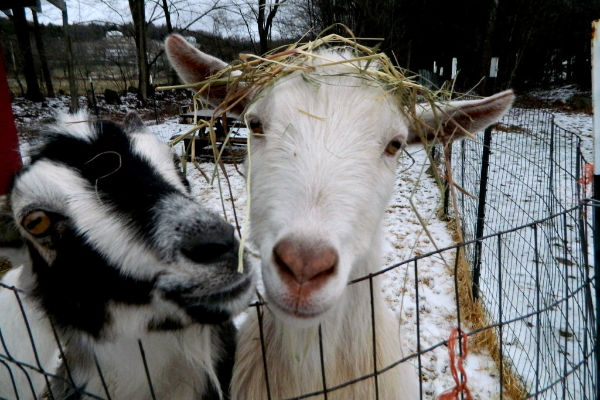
561, 94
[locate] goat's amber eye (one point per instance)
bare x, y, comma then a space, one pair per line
256, 127
37, 223
393, 146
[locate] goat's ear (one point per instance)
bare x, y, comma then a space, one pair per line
193, 66
133, 123
453, 120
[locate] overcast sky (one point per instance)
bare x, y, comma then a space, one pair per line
117, 11
87, 11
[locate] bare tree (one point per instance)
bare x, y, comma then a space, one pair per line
42, 53
263, 14
138, 14
179, 8
22, 31
264, 20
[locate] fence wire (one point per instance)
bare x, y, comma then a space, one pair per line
530, 263
535, 282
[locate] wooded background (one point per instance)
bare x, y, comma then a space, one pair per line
540, 43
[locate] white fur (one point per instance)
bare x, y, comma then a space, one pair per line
19, 345
326, 179
176, 362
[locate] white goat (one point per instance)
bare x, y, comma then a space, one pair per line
321, 177
121, 257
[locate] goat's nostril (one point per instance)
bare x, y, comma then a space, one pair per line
303, 262
206, 248
205, 252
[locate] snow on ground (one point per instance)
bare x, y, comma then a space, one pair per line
560, 94
581, 124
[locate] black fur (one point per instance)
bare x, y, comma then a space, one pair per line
124, 181
225, 335
77, 295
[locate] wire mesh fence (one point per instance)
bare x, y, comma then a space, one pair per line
524, 218
535, 281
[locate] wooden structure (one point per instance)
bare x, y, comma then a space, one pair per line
235, 150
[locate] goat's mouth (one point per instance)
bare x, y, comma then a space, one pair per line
212, 305
295, 308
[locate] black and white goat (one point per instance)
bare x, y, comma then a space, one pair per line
120, 255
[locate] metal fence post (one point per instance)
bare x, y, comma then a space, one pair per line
485, 164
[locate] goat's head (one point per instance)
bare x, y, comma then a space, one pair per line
117, 244
322, 172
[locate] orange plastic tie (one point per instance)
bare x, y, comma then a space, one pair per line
588, 174
460, 383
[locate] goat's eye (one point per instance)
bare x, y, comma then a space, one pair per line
37, 223
255, 127
393, 146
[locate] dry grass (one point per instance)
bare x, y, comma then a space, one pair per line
237, 83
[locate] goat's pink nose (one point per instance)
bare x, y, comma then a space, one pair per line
300, 262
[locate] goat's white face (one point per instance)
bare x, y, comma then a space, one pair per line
323, 171
321, 177
117, 244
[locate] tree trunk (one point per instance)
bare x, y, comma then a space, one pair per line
42, 52
165, 7
22, 31
16, 70
138, 14
70, 69
265, 25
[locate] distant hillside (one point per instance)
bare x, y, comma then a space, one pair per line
108, 58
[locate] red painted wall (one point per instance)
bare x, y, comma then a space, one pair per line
10, 157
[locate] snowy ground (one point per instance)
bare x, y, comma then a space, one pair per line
561, 94
582, 125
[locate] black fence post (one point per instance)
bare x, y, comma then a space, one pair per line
485, 164
551, 201
447, 162
94, 100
